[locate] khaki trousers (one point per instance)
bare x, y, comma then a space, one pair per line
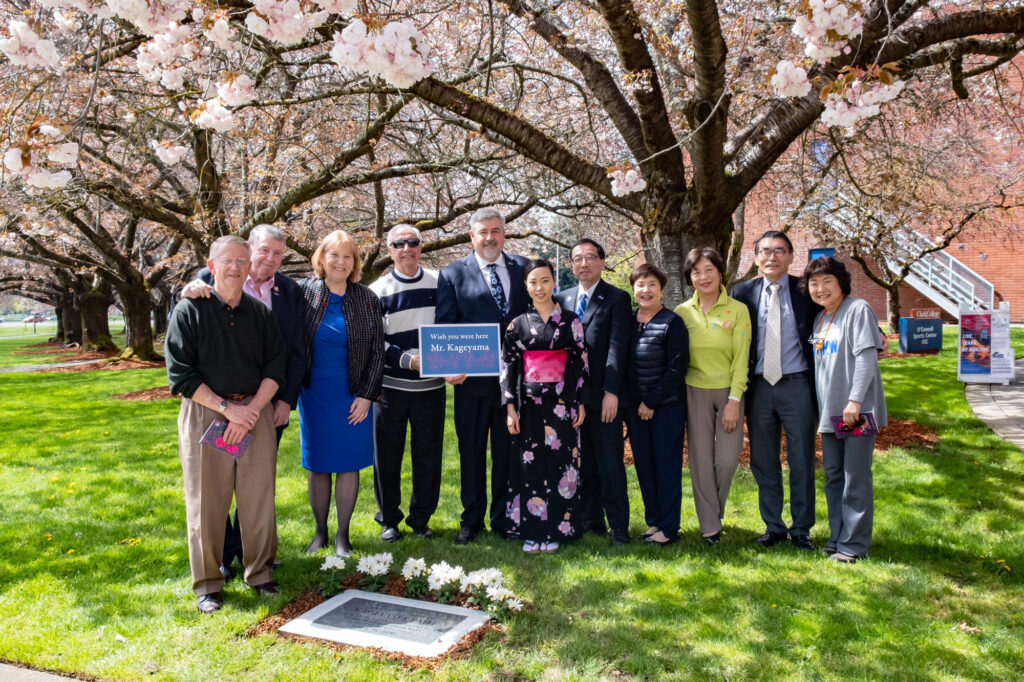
714, 454
210, 479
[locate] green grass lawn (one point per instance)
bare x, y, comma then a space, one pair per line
93, 531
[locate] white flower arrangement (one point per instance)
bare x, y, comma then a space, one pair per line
375, 564
332, 563
414, 568
443, 574
483, 578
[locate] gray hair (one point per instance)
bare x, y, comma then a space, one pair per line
403, 226
488, 213
221, 242
264, 231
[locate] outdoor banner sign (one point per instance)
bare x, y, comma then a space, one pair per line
448, 349
920, 335
985, 355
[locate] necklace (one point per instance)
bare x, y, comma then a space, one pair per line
831, 320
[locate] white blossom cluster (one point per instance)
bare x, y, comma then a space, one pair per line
283, 21
485, 577
502, 596
860, 100
626, 181
414, 568
790, 80
170, 56
442, 574
34, 160
333, 563
375, 564
827, 28
398, 53
151, 16
24, 47
96, 8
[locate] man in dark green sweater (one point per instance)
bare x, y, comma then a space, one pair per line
225, 357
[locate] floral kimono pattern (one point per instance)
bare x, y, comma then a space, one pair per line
544, 501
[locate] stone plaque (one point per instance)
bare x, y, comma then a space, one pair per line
408, 626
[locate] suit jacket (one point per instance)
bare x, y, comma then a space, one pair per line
287, 305
804, 309
606, 325
464, 296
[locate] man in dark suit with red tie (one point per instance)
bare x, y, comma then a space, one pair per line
605, 313
486, 286
780, 392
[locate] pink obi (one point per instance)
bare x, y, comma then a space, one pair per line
544, 366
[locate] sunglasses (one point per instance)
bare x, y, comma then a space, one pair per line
402, 243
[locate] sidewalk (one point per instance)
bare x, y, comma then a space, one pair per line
1001, 407
10, 673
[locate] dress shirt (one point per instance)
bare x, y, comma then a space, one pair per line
502, 270
261, 293
589, 292
792, 357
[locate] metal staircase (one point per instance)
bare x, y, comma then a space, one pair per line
943, 279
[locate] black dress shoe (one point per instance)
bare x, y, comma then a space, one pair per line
802, 542
226, 571
390, 534
714, 539
770, 539
830, 550
597, 528
423, 532
208, 603
465, 536
268, 588
342, 546
661, 543
619, 538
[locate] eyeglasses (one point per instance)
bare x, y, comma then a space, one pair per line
778, 252
402, 243
228, 262
585, 258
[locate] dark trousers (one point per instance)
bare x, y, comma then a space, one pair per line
849, 492
789, 405
423, 411
233, 532
602, 473
658, 457
476, 418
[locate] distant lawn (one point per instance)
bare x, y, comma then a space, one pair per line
15, 338
82, 477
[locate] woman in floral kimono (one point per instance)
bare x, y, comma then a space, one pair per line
543, 369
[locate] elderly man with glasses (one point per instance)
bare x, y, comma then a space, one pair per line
781, 391
225, 357
408, 295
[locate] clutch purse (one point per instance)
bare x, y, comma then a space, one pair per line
214, 438
865, 426
544, 366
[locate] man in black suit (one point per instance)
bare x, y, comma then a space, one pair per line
605, 313
284, 298
781, 390
486, 286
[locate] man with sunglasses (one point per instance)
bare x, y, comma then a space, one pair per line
408, 295
781, 391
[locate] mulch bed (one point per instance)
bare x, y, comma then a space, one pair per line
107, 361
901, 433
396, 587
147, 395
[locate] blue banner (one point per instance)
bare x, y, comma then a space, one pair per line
449, 349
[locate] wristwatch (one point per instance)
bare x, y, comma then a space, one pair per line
222, 405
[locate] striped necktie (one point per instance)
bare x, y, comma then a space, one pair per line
581, 305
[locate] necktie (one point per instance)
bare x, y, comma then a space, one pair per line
497, 291
581, 305
773, 337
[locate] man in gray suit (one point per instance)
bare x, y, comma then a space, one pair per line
781, 390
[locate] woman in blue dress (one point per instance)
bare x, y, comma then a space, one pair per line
344, 334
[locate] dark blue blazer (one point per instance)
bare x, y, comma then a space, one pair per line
288, 307
464, 296
606, 325
804, 309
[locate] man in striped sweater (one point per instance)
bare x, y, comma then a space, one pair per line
408, 295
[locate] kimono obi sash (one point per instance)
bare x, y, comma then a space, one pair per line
544, 366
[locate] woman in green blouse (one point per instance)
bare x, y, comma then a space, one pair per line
719, 330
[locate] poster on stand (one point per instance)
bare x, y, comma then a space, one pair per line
985, 354
450, 349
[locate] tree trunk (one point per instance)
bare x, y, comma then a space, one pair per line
94, 305
137, 305
892, 302
161, 311
69, 325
